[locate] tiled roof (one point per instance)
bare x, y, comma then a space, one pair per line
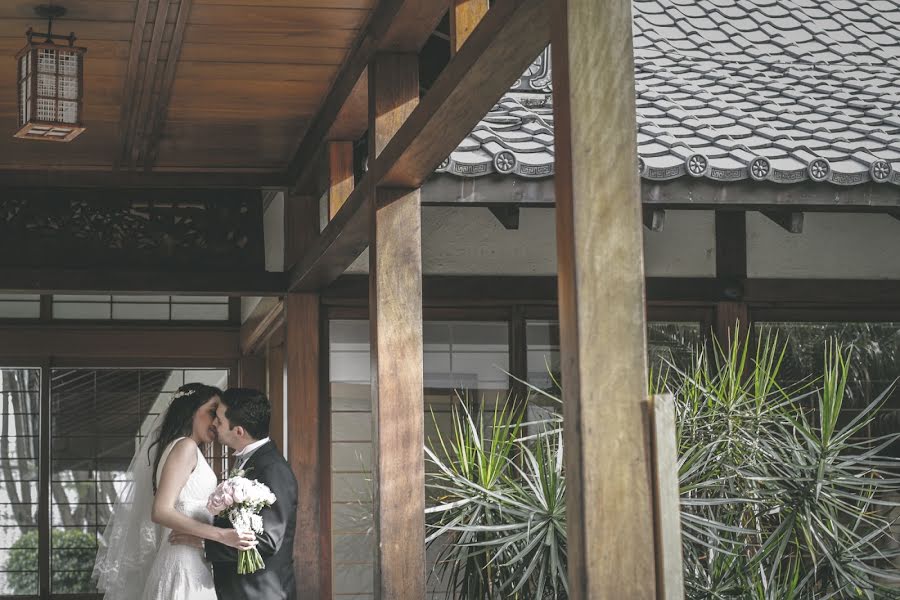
778, 90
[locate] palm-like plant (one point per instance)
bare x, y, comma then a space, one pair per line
783, 495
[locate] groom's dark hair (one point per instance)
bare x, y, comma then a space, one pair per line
249, 409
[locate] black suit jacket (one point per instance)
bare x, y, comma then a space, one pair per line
276, 544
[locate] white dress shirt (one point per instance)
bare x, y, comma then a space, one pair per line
242, 456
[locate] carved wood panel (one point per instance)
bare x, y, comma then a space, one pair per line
180, 230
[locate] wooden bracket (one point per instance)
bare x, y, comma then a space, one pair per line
790, 221
654, 219
507, 215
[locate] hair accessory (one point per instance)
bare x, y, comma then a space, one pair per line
182, 394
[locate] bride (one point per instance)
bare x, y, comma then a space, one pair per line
135, 554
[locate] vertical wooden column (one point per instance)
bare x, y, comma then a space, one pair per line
309, 445
731, 264
308, 419
464, 17
601, 304
340, 175
252, 372
395, 313
275, 390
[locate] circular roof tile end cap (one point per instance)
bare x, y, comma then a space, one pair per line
642, 166
759, 168
505, 162
697, 165
819, 169
880, 171
445, 164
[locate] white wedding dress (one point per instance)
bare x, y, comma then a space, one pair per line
181, 572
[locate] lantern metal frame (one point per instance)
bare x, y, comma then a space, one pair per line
29, 95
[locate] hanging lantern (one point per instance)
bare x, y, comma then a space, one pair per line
50, 83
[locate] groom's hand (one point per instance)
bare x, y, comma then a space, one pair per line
185, 539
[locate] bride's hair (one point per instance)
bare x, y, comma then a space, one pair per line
179, 419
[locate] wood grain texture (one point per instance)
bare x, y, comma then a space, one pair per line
274, 386
511, 34
396, 25
395, 320
609, 499
266, 318
340, 175
666, 492
731, 244
508, 38
252, 372
309, 445
464, 17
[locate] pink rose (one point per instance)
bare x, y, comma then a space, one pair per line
220, 499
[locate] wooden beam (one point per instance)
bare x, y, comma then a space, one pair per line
94, 281
54, 179
301, 226
340, 175
266, 318
731, 263
395, 26
464, 17
508, 216
790, 221
731, 244
157, 116
654, 219
689, 192
500, 48
498, 51
133, 77
609, 499
309, 445
395, 317
113, 341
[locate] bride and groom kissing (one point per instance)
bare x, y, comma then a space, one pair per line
162, 542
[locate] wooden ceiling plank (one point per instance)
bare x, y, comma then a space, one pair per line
132, 77
158, 115
498, 51
395, 25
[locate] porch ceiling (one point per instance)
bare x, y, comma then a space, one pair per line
186, 85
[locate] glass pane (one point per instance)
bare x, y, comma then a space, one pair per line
667, 342
19, 473
98, 418
874, 366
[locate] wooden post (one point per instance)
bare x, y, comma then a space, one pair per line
340, 175
309, 445
275, 391
395, 313
464, 17
666, 493
252, 372
731, 263
601, 304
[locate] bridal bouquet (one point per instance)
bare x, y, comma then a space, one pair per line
241, 500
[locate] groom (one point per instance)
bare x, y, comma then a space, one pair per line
242, 423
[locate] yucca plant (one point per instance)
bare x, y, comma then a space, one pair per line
783, 496
779, 500
499, 510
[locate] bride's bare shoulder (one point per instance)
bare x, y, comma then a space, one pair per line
184, 451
